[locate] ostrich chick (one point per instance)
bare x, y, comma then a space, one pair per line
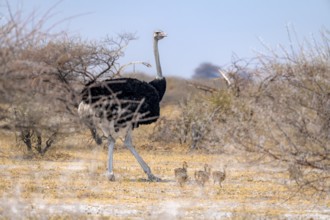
181, 174
202, 176
219, 176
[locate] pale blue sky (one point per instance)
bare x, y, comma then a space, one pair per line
199, 31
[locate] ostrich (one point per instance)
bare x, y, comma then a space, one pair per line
202, 176
117, 106
219, 176
181, 174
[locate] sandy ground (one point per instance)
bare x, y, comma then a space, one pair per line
71, 183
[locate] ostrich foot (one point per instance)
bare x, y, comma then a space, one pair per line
153, 178
111, 177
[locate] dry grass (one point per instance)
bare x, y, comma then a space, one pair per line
71, 183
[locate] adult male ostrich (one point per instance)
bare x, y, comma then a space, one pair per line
120, 105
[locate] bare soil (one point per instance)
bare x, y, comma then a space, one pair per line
71, 183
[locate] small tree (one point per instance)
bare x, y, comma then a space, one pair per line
41, 76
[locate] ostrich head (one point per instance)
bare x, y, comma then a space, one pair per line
158, 35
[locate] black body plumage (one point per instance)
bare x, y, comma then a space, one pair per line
125, 101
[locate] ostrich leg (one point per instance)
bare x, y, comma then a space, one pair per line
111, 146
144, 165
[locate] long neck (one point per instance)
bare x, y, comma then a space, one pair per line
156, 53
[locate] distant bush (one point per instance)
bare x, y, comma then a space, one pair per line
198, 123
206, 71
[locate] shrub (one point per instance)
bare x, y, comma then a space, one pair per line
41, 76
291, 112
